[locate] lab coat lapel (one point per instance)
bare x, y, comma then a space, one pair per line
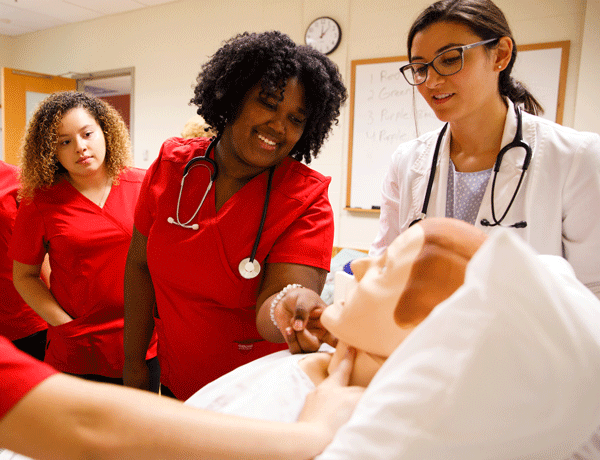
422, 169
440, 186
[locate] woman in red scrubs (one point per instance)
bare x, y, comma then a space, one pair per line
235, 266
18, 322
78, 197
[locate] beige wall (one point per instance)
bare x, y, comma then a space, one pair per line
167, 45
588, 94
6, 44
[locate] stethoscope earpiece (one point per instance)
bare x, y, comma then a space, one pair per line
172, 221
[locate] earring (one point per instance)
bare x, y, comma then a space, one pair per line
499, 66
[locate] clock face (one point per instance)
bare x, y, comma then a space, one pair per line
323, 34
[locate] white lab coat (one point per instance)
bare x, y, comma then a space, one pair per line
559, 198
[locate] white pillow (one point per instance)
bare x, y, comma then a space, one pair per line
506, 368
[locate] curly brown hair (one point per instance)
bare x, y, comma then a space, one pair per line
38, 161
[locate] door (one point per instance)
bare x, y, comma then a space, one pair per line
21, 91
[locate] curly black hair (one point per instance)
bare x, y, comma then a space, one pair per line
271, 58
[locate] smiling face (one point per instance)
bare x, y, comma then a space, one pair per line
266, 128
81, 146
457, 97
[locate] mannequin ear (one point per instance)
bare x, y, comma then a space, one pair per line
503, 53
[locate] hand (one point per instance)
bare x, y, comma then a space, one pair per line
298, 316
136, 374
332, 402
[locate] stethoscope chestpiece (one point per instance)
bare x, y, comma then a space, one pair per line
249, 269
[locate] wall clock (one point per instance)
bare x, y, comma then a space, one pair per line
323, 34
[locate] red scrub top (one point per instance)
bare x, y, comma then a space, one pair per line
17, 320
19, 374
207, 324
87, 246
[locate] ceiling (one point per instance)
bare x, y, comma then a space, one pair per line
23, 16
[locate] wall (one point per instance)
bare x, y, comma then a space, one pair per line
588, 94
6, 45
168, 43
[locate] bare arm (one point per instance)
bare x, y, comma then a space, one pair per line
65, 417
45, 271
298, 313
139, 319
36, 294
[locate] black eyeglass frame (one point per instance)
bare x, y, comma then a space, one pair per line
426, 65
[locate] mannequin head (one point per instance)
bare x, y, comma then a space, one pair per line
395, 291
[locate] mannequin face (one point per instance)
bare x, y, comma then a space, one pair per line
395, 291
365, 318
392, 293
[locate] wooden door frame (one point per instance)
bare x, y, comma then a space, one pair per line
82, 78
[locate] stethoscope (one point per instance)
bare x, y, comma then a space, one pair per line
249, 267
517, 142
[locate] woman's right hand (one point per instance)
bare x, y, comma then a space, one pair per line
332, 402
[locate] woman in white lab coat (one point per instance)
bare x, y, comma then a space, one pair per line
494, 163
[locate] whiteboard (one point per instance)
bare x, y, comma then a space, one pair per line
384, 109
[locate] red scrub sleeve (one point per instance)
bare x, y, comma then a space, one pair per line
145, 209
173, 150
17, 320
27, 243
19, 374
308, 240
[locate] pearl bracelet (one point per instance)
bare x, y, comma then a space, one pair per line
278, 298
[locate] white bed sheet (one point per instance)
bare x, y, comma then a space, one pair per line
270, 388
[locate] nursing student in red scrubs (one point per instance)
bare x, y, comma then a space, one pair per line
235, 266
78, 196
49, 415
18, 322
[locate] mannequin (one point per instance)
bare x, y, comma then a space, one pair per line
374, 313
423, 267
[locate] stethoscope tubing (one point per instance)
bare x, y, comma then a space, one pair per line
248, 267
210, 184
517, 142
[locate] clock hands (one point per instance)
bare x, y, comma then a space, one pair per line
323, 34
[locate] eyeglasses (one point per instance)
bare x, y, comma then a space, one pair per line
446, 63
